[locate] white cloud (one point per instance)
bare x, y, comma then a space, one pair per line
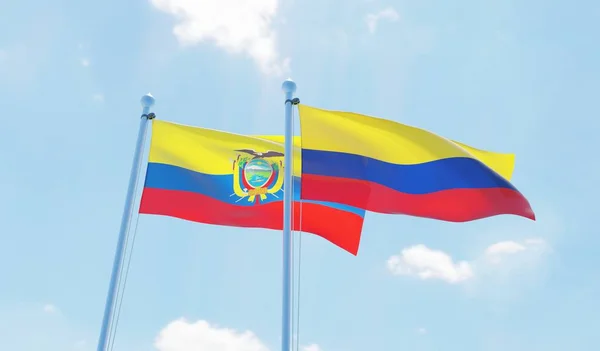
422, 331
373, 19
499, 259
500, 251
181, 335
85, 62
50, 308
504, 247
238, 26
506, 270
426, 263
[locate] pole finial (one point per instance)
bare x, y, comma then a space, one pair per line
147, 101
288, 86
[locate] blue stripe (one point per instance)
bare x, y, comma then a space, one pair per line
220, 187
423, 178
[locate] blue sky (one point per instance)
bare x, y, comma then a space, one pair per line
510, 76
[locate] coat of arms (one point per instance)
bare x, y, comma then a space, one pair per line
256, 175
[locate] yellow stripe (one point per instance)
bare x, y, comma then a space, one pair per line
202, 150
209, 151
387, 140
503, 164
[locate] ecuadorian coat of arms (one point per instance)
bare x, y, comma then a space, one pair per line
257, 175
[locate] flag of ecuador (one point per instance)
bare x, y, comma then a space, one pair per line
221, 178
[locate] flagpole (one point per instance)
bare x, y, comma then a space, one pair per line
147, 101
289, 88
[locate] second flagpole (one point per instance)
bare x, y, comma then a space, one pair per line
289, 88
103, 340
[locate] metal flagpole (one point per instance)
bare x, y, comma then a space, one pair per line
147, 102
289, 88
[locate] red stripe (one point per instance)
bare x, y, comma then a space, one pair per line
339, 227
454, 205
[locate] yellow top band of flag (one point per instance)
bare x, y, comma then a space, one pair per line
388, 141
209, 151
